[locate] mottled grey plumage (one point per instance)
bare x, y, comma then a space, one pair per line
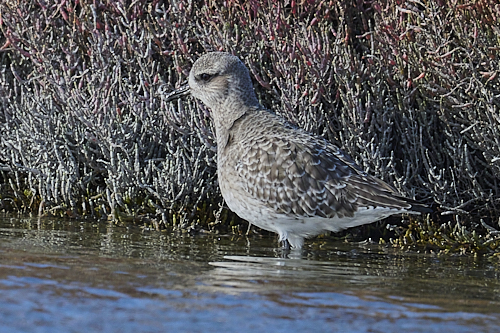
276, 176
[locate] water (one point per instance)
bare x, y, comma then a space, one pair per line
80, 276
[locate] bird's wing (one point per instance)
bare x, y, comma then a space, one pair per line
307, 176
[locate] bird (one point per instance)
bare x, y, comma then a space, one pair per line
276, 175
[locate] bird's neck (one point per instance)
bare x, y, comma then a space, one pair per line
227, 115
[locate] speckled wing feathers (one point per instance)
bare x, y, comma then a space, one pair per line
297, 174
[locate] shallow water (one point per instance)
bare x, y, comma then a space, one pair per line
80, 276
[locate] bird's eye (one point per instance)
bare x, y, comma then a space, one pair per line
206, 77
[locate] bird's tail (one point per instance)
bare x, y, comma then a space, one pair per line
419, 207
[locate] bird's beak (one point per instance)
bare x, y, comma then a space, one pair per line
182, 91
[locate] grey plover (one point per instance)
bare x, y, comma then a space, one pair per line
279, 177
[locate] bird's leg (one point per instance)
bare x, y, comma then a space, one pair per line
248, 230
285, 249
285, 245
